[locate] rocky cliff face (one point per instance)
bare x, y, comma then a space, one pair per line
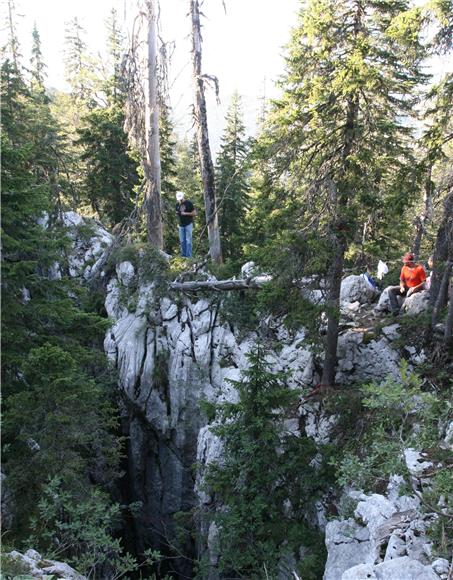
172, 352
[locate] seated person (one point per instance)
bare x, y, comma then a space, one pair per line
412, 280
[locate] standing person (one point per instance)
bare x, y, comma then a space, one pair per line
186, 212
412, 280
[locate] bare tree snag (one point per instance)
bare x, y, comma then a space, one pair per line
442, 261
424, 217
201, 121
142, 112
152, 160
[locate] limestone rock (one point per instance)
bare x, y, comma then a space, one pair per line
415, 462
348, 544
441, 566
447, 442
364, 362
360, 572
416, 304
391, 332
90, 241
374, 511
355, 289
404, 569
39, 567
61, 570
125, 272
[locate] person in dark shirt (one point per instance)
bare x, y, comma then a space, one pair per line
186, 212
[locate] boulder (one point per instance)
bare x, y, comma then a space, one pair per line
360, 572
348, 544
356, 289
404, 569
361, 361
125, 272
38, 567
416, 304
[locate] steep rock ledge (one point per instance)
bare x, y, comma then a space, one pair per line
171, 353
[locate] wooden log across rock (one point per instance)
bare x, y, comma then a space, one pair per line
221, 285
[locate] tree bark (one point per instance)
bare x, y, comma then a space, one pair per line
201, 120
442, 252
152, 160
448, 335
333, 309
340, 226
219, 285
422, 219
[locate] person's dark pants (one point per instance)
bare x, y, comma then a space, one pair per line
393, 292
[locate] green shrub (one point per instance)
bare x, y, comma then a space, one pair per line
263, 467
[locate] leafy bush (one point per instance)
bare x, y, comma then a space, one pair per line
81, 532
394, 416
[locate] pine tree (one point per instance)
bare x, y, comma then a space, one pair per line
75, 58
53, 368
168, 185
262, 468
232, 180
38, 66
110, 168
338, 141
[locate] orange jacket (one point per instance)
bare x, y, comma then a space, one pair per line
412, 277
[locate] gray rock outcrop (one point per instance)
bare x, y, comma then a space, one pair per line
171, 353
34, 565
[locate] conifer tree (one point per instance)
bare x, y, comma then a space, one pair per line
38, 66
168, 182
45, 330
232, 180
338, 139
262, 468
110, 168
75, 58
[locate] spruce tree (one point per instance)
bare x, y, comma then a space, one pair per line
76, 61
110, 174
338, 141
232, 180
263, 470
38, 67
168, 182
54, 374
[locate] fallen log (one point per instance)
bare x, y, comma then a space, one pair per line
221, 285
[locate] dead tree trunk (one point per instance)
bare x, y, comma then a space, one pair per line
448, 335
442, 266
425, 215
152, 160
201, 120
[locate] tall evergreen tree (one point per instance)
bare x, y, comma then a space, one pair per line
75, 59
110, 168
38, 67
338, 139
53, 369
232, 180
168, 183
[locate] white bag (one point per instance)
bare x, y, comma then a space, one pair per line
382, 269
